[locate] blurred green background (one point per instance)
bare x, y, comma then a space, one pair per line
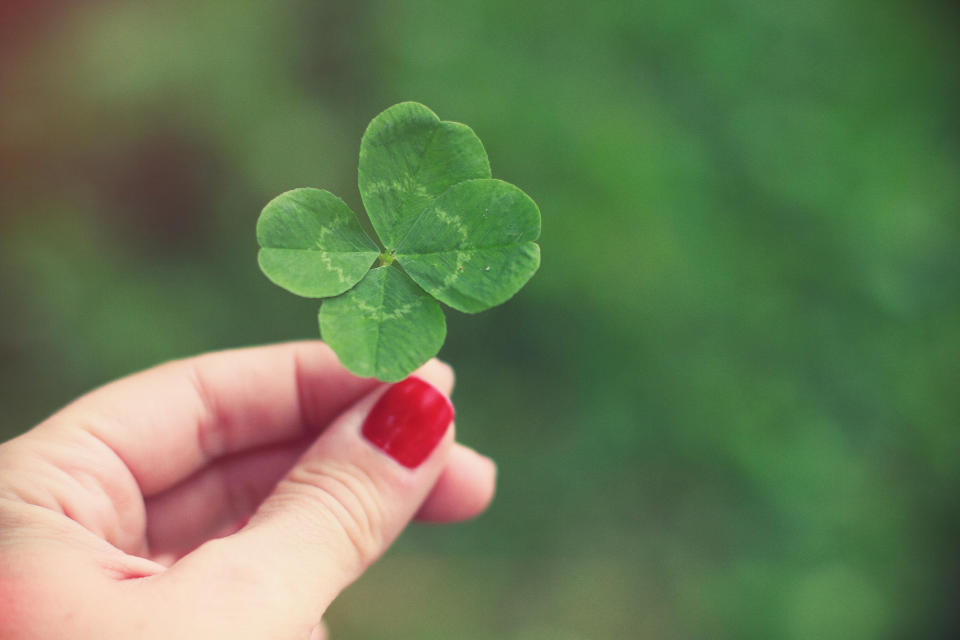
726, 407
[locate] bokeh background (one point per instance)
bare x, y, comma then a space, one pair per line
726, 407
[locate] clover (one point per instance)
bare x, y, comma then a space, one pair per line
449, 233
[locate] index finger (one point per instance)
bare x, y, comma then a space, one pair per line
168, 422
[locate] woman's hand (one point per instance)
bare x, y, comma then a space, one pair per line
232, 495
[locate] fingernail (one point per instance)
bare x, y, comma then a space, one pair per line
408, 421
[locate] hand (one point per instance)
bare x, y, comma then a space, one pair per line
231, 495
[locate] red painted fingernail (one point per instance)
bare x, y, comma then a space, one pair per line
408, 421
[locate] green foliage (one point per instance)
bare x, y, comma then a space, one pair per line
312, 244
407, 158
478, 259
385, 326
729, 409
465, 238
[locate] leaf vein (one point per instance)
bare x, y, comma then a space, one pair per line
414, 176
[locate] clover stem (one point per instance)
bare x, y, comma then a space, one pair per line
386, 258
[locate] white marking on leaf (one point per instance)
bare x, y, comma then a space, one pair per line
463, 257
456, 222
378, 314
328, 263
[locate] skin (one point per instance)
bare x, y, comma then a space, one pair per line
229, 495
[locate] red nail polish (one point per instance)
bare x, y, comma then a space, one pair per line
408, 421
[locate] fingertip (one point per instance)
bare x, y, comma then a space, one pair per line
488, 486
439, 374
486, 482
319, 632
465, 489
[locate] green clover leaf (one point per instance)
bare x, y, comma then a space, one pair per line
450, 233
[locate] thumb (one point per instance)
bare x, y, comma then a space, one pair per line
334, 513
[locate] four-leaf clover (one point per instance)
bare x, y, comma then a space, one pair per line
449, 233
